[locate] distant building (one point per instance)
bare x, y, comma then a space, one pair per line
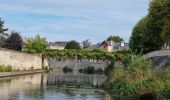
95, 46
110, 46
59, 45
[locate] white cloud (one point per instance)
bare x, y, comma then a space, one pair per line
86, 17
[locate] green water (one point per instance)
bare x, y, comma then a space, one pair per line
53, 86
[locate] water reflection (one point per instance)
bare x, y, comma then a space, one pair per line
75, 79
34, 87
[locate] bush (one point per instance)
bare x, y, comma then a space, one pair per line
9, 68
99, 71
29, 51
165, 92
110, 67
67, 70
88, 70
139, 81
5, 68
162, 78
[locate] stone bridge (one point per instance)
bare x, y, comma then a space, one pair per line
160, 59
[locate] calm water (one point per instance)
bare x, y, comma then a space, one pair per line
52, 86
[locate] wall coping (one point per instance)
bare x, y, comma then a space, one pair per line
21, 52
157, 53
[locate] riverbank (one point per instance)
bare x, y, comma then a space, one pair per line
10, 74
139, 80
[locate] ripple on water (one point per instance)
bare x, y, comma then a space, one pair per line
34, 87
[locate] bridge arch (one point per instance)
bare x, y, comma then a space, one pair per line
159, 58
157, 53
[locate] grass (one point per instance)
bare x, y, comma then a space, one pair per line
139, 81
5, 68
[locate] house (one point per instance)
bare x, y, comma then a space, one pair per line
110, 46
95, 46
59, 45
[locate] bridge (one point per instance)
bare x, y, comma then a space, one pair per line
160, 59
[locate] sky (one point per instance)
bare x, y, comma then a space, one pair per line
65, 20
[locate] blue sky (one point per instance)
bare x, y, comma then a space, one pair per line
64, 20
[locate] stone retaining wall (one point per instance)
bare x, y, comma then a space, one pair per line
59, 65
20, 60
157, 53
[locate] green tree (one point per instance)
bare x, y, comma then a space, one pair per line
37, 44
115, 38
152, 31
73, 45
2, 33
14, 41
86, 44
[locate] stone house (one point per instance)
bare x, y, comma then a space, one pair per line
94, 46
57, 45
110, 46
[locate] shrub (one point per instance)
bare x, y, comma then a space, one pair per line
110, 67
67, 70
88, 70
99, 71
130, 82
9, 68
139, 81
29, 51
138, 68
165, 93
5, 68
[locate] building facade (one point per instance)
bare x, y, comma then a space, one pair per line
110, 46
57, 45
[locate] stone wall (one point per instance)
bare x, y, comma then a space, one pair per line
20, 60
59, 65
157, 53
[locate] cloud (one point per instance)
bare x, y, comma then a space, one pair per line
73, 19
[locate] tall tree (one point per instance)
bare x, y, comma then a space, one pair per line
73, 45
37, 44
136, 40
86, 44
14, 41
154, 30
2, 33
115, 38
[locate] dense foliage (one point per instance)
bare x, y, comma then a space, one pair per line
138, 81
152, 31
2, 33
115, 38
35, 45
110, 68
73, 45
80, 54
14, 41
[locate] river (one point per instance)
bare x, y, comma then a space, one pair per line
53, 86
